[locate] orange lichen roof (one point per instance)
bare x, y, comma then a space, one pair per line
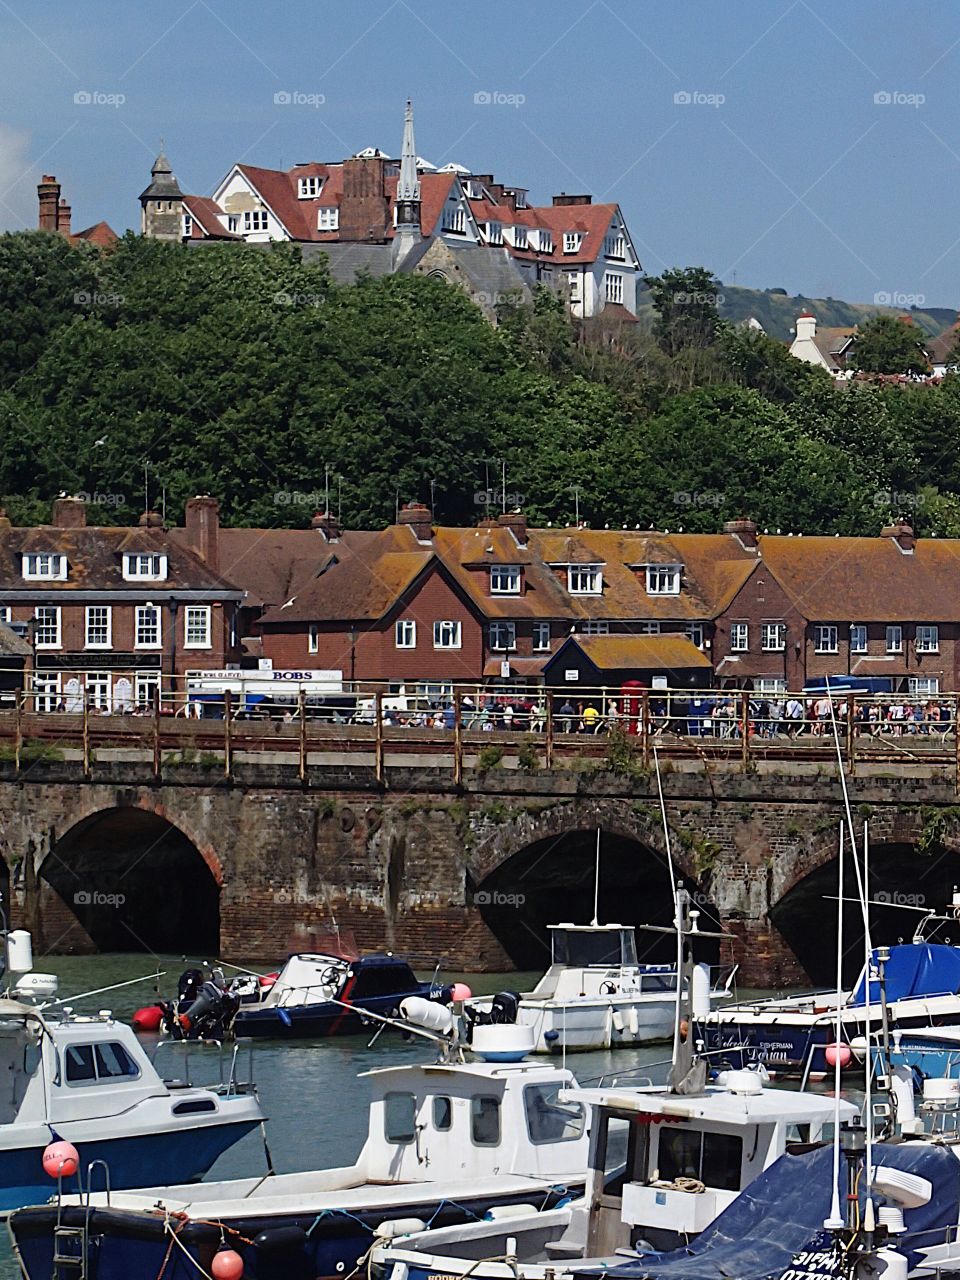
867, 579
626, 652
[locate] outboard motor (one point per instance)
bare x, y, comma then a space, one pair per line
203, 1010
503, 1011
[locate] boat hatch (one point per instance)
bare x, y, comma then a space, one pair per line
579, 946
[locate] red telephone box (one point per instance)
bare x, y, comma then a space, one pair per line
631, 705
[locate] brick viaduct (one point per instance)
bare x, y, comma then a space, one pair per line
468, 870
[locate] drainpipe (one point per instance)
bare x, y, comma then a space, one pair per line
174, 604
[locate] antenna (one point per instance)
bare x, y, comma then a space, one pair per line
575, 490
339, 497
596, 883
433, 486
163, 505
146, 488
326, 489
503, 486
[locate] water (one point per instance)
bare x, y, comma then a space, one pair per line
317, 1106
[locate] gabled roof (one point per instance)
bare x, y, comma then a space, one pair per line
832, 343
637, 653
101, 233
206, 216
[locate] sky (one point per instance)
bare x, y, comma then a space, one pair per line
795, 144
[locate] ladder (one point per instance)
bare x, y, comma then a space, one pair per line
69, 1253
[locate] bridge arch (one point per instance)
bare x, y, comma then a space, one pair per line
135, 880
540, 870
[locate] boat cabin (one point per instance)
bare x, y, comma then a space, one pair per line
309, 978
662, 1166
476, 1120
591, 960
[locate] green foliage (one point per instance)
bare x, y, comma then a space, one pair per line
489, 757
888, 344
244, 371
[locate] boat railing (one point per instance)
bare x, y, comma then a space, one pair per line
234, 1065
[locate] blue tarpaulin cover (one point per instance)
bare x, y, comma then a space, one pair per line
775, 1226
914, 969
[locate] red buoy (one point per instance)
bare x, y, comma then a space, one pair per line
227, 1265
61, 1159
148, 1018
837, 1052
461, 992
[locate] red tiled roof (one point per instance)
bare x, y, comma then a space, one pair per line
101, 233
206, 213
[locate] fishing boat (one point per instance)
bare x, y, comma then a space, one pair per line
596, 995
89, 1083
446, 1143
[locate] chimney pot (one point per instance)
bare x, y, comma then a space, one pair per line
151, 520
902, 534
516, 521
48, 197
64, 213
69, 513
420, 519
328, 525
744, 530
202, 521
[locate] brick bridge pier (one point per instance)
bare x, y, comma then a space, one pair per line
469, 869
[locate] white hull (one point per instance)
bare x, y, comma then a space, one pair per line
606, 1022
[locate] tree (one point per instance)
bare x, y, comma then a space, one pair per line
889, 344
686, 301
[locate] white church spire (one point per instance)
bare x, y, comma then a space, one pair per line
408, 188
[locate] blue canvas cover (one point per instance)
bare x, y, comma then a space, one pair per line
914, 969
777, 1222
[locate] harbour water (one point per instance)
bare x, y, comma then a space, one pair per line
309, 1089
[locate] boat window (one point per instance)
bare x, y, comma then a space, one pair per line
485, 1120
113, 1060
385, 980
658, 982
31, 1058
713, 1158
399, 1117
442, 1113
194, 1108
80, 1063
549, 1119
617, 1152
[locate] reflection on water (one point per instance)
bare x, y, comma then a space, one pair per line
310, 1089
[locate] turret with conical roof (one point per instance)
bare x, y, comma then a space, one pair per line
161, 203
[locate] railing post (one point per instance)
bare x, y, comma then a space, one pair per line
302, 713
157, 755
645, 727
457, 741
956, 743
851, 721
86, 734
745, 730
378, 741
548, 732
227, 734
18, 742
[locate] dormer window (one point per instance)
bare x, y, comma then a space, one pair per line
188, 224
505, 579
546, 242
140, 566
663, 579
615, 245
572, 241
520, 237
454, 219
585, 579
328, 219
47, 565
494, 233
309, 188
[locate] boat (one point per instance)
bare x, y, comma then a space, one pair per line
595, 994
317, 994
446, 1143
87, 1082
791, 1036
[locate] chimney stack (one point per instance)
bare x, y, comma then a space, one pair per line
902, 534
744, 530
151, 520
328, 525
364, 208
203, 529
806, 326
69, 513
420, 519
563, 199
516, 522
64, 213
48, 196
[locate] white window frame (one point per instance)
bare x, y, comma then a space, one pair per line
739, 637
138, 626
106, 626
595, 627
613, 286
923, 686
767, 685
520, 240
255, 220
6, 614
505, 579
454, 219
894, 638
328, 218
308, 186
52, 624
313, 637
615, 245
546, 242
135, 571
573, 281
495, 233
928, 638
572, 241
405, 634
205, 612
502, 636
46, 690
773, 637
664, 579
826, 637
859, 639
188, 224
541, 637
98, 690
648, 629
585, 579
694, 631
142, 682
44, 566
447, 639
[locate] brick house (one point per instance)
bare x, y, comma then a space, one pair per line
109, 611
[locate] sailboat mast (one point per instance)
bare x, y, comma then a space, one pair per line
596, 884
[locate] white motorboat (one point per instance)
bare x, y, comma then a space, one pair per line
596, 995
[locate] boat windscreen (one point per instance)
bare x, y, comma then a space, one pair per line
579, 948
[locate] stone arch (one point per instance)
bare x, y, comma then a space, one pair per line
132, 879
537, 869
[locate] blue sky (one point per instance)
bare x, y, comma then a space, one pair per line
820, 150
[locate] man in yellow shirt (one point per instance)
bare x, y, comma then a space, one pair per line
591, 717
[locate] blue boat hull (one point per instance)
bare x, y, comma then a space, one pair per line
317, 1020
311, 1246
163, 1159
